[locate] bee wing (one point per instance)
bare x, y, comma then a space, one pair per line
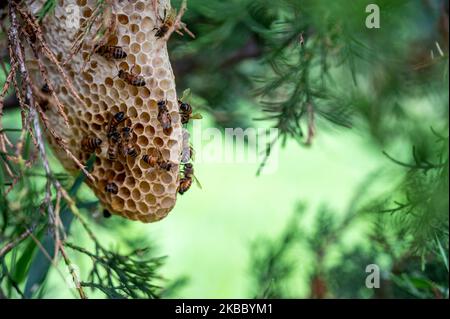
186, 95
185, 155
196, 116
198, 182
192, 152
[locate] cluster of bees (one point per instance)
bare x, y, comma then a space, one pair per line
120, 130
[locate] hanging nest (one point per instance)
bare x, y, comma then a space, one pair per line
115, 97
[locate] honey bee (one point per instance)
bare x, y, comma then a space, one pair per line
90, 143
157, 160
111, 52
126, 133
166, 23
150, 160
185, 109
111, 188
106, 213
131, 79
115, 120
186, 181
163, 116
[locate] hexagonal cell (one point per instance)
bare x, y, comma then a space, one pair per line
142, 141
124, 192
140, 37
144, 92
139, 6
135, 48
130, 182
158, 142
123, 19
147, 47
167, 202
131, 205
165, 84
149, 130
117, 203
157, 62
136, 194
150, 199
158, 189
143, 208
166, 178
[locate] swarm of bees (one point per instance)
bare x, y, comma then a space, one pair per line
119, 128
166, 23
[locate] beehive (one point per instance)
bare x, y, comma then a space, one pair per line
144, 193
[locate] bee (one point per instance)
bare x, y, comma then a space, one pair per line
130, 78
185, 109
111, 188
90, 143
166, 23
163, 116
115, 120
111, 52
157, 160
186, 181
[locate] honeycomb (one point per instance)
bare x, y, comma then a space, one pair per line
141, 192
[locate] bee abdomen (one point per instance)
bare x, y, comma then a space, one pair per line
132, 152
91, 143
